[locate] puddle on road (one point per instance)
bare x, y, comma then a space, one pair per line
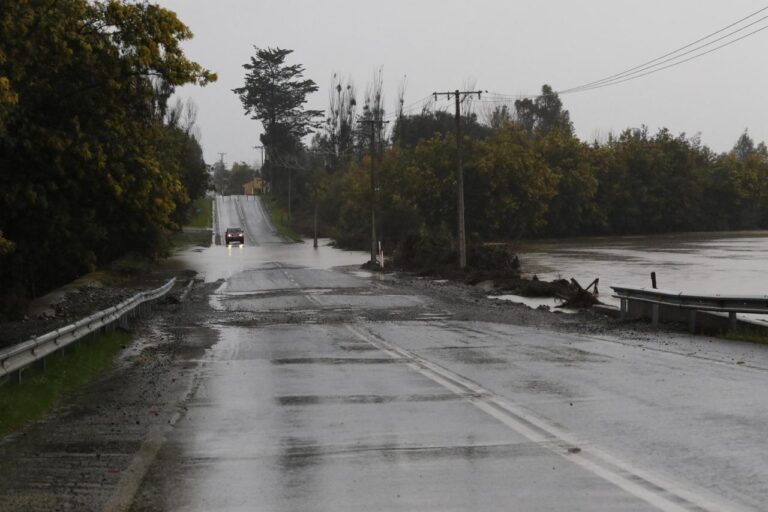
333, 360
305, 455
470, 355
305, 400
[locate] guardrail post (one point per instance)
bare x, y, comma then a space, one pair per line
692, 321
655, 314
732, 320
16, 376
624, 308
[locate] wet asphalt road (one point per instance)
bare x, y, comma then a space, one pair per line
246, 212
329, 389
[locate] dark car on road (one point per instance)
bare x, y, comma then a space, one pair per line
234, 235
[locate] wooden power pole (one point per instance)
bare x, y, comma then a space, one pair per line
375, 125
460, 96
262, 154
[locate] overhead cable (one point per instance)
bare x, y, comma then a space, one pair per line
639, 70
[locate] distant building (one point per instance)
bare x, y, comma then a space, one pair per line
255, 186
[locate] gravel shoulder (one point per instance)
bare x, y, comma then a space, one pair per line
83, 452
83, 297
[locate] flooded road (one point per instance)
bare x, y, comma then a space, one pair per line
291, 381
262, 245
724, 263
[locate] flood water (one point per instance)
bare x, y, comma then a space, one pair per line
221, 262
721, 263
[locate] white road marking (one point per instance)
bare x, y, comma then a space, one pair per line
661, 493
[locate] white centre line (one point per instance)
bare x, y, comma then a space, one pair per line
662, 493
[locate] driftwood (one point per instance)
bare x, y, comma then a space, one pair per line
581, 297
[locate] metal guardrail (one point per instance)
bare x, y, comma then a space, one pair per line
731, 304
17, 357
724, 303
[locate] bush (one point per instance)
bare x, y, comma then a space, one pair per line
426, 250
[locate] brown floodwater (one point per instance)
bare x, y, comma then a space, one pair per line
221, 262
718, 263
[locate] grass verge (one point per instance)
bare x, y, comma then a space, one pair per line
279, 218
201, 216
40, 389
745, 334
184, 238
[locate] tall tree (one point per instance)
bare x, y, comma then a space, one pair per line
744, 147
83, 145
544, 114
240, 174
275, 93
336, 140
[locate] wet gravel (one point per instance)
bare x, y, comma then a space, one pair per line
81, 302
75, 458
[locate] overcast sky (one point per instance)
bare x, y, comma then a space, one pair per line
504, 46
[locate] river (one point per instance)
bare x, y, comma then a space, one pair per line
722, 262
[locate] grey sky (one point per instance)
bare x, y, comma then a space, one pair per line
510, 47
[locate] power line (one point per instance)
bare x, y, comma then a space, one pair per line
411, 107
652, 66
498, 95
627, 79
655, 62
417, 102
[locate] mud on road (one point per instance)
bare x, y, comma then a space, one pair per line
93, 451
76, 458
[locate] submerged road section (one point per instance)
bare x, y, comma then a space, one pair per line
309, 387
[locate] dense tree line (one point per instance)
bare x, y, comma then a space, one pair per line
93, 161
230, 181
526, 175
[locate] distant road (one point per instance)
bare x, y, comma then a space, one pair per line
248, 213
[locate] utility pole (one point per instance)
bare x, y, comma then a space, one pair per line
289, 194
460, 96
221, 164
315, 219
262, 155
374, 124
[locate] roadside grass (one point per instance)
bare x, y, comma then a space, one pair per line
279, 218
201, 217
40, 390
199, 232
745, 334
188, 238
131, 264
